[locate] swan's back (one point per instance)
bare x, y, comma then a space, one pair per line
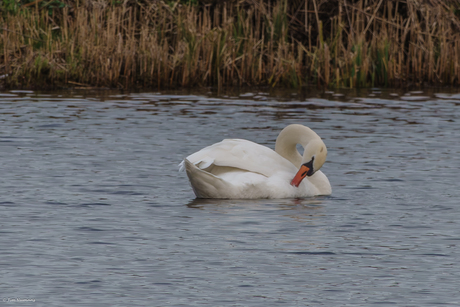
240, 154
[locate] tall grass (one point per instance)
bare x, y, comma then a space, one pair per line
330, 43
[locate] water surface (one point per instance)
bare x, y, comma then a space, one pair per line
95, 213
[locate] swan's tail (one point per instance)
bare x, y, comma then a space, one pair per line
204, 184
182, 166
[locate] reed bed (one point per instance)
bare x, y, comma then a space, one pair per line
157, 44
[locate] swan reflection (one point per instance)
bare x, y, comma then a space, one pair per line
300, 209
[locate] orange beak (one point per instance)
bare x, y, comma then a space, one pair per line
301, 174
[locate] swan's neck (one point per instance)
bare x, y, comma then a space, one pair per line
289, 137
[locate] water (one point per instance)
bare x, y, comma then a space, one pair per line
95, 213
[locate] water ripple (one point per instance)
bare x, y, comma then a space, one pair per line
95, 213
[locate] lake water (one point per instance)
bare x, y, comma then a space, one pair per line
95, 213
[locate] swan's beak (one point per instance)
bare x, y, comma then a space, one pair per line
301, 174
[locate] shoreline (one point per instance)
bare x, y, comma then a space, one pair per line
164, 45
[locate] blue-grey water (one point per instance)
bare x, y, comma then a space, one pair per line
95, 213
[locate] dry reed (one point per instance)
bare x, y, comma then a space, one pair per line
335, 43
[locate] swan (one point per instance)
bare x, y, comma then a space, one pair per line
241, 169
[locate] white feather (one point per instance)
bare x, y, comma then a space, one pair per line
236, 168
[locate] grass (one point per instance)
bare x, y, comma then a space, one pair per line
168, 44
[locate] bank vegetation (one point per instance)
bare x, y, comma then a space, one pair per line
170, 44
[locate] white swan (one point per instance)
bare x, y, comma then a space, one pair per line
241, 169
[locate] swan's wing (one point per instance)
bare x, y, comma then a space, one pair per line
241, 154
204, 184
229, 182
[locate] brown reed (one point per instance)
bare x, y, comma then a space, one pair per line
331, 43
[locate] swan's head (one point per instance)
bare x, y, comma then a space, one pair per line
313, 158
